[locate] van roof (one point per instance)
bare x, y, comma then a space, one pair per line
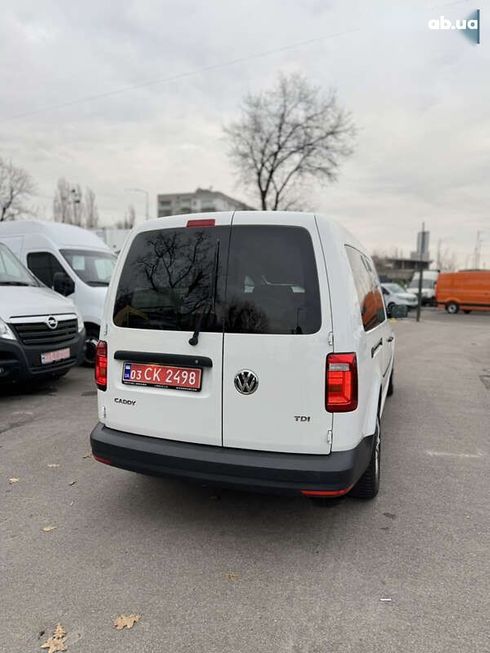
328, 223
63, 235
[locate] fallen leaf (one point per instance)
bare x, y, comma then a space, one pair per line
89, 455
13, 480
59, 632
232, 577
126, 621
48, 529
72, 483
53, 465
56, 642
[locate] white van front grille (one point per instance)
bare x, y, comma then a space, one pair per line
39, 333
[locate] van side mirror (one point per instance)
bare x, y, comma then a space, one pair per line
63, 284
398, 311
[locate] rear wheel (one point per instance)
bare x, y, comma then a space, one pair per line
391, 387
91, 340
368, 485
452, 308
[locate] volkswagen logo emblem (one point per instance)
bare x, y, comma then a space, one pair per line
52, 322
246, 382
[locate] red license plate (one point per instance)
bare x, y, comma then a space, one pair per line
162, 376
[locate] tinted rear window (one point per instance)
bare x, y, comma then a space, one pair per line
248, 279
272, 284
167, 280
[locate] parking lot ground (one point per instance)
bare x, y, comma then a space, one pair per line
222, 571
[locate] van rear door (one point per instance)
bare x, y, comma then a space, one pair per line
172, 281
276, 336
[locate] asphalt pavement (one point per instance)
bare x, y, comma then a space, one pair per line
221, 571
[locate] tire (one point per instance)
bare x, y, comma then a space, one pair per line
367, 486
389, 308
452, 308
391, 387
91, 340
466, 311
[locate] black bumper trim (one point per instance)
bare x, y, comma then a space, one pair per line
284, 473
20, 363
183, 360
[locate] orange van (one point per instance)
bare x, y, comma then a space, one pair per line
468, 290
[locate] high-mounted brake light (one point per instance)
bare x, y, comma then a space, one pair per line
101, 365
201, 223
341, 383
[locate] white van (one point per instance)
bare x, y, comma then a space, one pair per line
41, 333
429, 280
247, 349
69, 259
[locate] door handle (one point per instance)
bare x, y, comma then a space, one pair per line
391, 338
376, 347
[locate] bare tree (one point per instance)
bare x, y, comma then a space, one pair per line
72, 207
90, 209
448, 260
286, 136
16, 187
129, 219
62, 203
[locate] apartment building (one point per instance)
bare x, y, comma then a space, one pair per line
202, 200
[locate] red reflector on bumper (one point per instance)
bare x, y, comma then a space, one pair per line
326, 493
99, 459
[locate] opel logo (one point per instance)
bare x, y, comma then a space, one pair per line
246, 382
52, 322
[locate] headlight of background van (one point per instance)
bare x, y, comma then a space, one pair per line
6, 331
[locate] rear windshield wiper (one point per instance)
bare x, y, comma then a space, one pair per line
210, 303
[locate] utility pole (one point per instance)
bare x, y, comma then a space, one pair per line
421, 270
147, 195
77, 200
477, 251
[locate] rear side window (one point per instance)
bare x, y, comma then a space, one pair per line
244, 279
368, 289
272, 283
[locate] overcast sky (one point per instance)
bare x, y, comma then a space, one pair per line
420, 100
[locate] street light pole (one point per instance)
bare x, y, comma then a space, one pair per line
421, 271
147, 196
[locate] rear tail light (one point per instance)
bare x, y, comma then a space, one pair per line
341, 383
101, 365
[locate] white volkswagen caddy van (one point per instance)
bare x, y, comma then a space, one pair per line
246, 349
